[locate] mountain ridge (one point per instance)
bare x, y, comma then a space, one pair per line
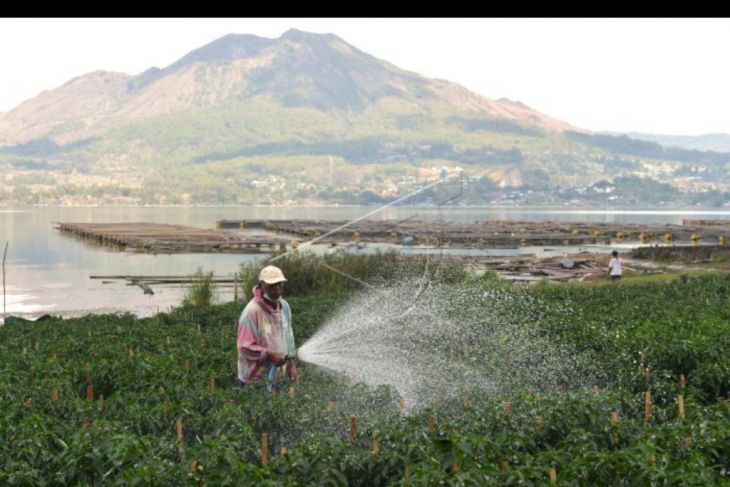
330, 74
310, 118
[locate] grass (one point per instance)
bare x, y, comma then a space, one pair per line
201, 291
679, 326
641, 278
342, 271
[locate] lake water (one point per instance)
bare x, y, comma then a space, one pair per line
47, 272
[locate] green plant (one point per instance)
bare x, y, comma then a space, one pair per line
201, 291
340, 271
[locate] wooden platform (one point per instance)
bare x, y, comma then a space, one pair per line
164, 238
146, 282
491, 234
707, 223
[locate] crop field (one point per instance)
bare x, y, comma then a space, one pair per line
116, 400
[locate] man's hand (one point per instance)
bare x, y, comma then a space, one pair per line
277, 358
291, 371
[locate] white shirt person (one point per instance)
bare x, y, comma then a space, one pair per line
615, 267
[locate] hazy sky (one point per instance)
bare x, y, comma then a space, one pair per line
668, 76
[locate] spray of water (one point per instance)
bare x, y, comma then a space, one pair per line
434, 342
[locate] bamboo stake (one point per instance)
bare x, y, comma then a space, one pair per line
54, 394
680, 406
264, 449
614, 424
682, 381
179, 429
211, 385
5, 253
193, 467
89, 393
431, 422
166, 407
353, 429
401, 405
553, 476
291, 392
641, 363
376, 443
508, 409
648, 407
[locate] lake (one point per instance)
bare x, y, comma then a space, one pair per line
49, 273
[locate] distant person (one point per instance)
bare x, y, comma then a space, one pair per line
265, 340
615, 267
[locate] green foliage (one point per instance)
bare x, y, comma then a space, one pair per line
343, 271
201, 291
680, 326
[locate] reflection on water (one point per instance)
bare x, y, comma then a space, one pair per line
49, 273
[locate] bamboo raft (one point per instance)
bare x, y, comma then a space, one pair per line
229, 237
707, 223
146, 282
490, 234
165, 238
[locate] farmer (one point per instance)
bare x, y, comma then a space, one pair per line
265, 340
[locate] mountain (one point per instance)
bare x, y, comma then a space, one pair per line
298, 69
305, 118
706, 142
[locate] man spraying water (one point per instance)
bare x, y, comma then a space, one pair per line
265, 339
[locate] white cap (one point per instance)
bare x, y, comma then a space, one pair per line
271, 275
